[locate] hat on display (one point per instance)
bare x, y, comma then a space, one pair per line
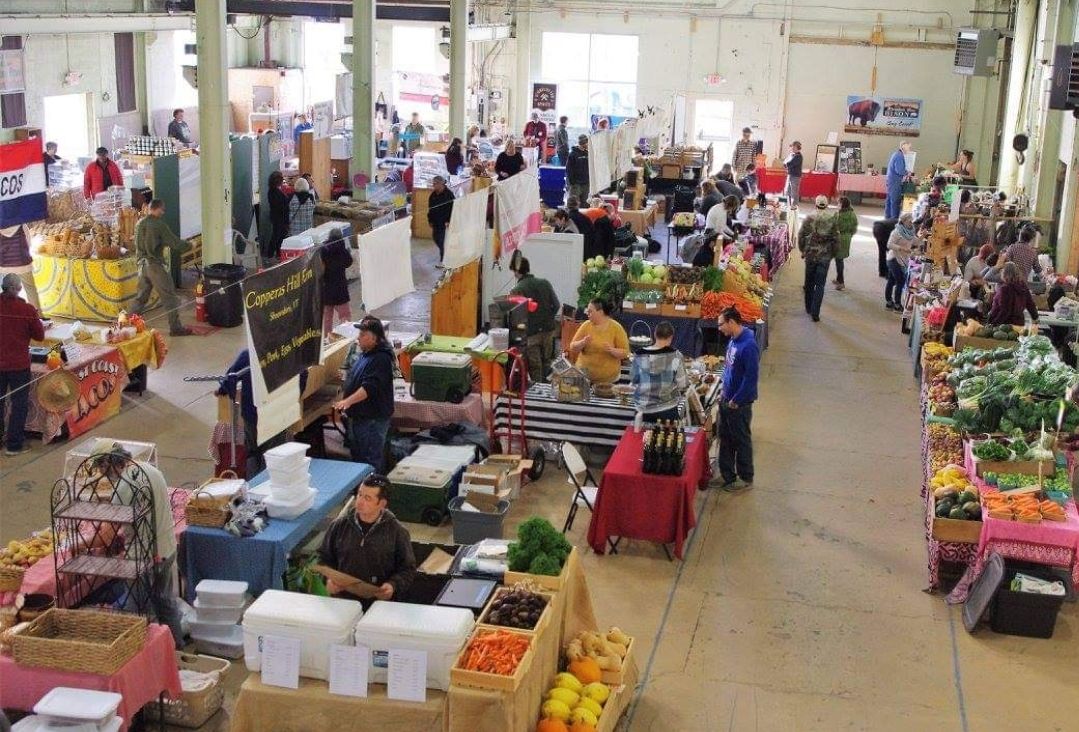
821, 201
58, 391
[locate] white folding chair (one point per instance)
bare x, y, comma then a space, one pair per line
585, 486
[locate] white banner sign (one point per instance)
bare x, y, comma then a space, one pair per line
467, 230
517, 202
386, 263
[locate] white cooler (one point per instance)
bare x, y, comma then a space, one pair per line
294, 246
440, 631
318, 623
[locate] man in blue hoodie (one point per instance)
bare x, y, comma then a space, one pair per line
736, 403
368, 403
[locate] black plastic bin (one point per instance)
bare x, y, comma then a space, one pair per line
224, 299
1025, 613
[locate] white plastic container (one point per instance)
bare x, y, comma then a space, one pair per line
221, 593
440, 631
65, 704
453, 457
294, 246
287, 456
232, 648
290, 508
301, 470
216, 632
318, 622
210, 614
289, 492
35, 723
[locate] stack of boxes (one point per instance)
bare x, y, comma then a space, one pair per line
288, 492
219, 608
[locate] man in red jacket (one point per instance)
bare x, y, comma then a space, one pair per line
19, 324
101, 174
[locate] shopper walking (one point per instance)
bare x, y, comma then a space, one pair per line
793, 165
1011, 299
882, 231
336, 259
736, 403
152, 236
577, 169
439, 212
847, 223
301, 208
900, 244
455, 156
539, 349
20, 323
744, 151
279, 206
561, 140
414, 134
659, 375
896, 175
369, 401
818, 241
101, 174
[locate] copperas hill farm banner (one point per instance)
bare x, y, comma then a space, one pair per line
283, 305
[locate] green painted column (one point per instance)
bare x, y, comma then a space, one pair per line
363, 95
215, 164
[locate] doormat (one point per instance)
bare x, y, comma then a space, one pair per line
202, 329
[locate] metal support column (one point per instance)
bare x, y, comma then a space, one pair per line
215, 163
458, 68
363, 98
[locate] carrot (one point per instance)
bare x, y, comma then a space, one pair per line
497, 652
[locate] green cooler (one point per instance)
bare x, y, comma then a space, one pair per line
420, 492
441, 377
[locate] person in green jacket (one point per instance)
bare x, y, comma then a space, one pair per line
152, 236
541, 324
847, 222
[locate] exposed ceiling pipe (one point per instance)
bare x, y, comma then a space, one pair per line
44, 24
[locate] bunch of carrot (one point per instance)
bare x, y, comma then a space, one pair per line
497, 652
713, 303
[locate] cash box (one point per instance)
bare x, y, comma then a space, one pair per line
441, 377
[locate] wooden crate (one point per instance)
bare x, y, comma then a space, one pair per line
494, 682
688, 310
192, 257
545, 616
546, 582
957, 531
616, 678
642, 308
1015, 467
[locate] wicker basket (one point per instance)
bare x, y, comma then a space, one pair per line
211, 511
194, 708
11, 578
84, 641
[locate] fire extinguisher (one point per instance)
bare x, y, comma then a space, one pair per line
200, 302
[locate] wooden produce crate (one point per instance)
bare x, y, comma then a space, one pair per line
686, 310
192, 257
495, 682
617, 678
1015, 467
957, 531
544, 581
545, 616
644, 308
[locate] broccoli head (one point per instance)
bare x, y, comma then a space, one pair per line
544, 563
539, 545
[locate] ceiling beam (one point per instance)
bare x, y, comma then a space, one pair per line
430, 11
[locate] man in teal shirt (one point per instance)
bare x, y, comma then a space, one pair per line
539, 351
152, 235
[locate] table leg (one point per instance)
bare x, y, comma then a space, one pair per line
137, 380
667, 551
161, 711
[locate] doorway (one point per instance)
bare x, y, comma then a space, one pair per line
713, 124
67, 123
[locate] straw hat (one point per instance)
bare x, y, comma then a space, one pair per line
58, 391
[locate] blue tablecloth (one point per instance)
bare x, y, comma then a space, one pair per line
261, 560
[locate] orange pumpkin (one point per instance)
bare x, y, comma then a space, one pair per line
582, 727
551, 725
586, 670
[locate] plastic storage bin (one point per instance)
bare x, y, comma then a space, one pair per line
214, 632
221, 593
472, 527
224, 299
318, 622
211, 614
286, 457
289, 508
78, 705
291, 474
231, 646
1024, 613
440, 631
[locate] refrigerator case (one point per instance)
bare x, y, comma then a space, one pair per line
318, 622
440, 631
420, 491
441, 377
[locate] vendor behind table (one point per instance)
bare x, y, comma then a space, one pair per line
542, 322
601, 344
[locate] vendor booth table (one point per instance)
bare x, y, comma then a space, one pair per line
101, 373
773, 180
93, 290
142, 680
863, 183
415, 415
631, 504
597, 423
261, 560
640, 221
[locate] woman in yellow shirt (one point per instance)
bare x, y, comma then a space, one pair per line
601, 343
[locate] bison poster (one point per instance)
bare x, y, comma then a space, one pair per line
884, 116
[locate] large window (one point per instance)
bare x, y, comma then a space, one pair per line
596, 75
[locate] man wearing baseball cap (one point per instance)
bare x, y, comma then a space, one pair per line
818, 241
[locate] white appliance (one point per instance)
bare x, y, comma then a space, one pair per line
440, 631
318, 623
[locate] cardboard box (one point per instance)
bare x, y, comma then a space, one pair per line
957, 531
670, 171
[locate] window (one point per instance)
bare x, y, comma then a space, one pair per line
124, 43
13, 105
596, 75
713, 124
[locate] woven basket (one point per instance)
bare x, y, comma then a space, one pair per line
206, 510
194, 708
84, 641
11, 578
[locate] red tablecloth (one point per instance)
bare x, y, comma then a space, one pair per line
152, 672
636, 505
102, 376
863, 183
773, 180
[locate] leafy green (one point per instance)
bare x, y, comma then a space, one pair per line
605, 284
712, 279
540, 548
635, 267
991, 450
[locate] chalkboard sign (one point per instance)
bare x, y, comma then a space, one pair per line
850, 156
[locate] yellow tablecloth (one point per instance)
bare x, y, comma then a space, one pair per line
93, 290
146, 349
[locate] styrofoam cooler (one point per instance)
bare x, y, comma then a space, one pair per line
221, 593
295, 246
440, 631
317, 622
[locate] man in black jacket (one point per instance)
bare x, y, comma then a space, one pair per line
369, 401
584, 226
882, 231
577, 169
439, 210
370, 544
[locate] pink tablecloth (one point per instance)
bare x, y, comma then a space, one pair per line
862, 183
142, 679
412, 414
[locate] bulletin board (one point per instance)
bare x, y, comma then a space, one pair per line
850, 157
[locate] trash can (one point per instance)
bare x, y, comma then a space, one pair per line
472, 527
224, 298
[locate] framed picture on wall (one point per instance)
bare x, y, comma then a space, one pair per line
825, 161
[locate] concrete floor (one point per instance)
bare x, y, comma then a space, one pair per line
799, 605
